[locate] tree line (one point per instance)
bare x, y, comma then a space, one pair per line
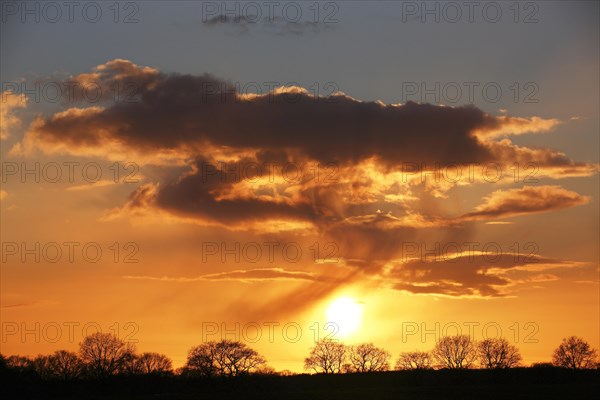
450, 352
103, 355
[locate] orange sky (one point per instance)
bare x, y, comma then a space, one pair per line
375, 172
188, 250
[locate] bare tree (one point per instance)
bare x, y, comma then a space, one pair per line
202, 360
19, 363
542, 365
575, 353
455, 352
347, 368
153, 363
65, 365
104, 354
22, 366
129, 364
266, 370
498, 353
367, 358
235, 358
326, 357
225, 358
286, 372
414, 360
41, 365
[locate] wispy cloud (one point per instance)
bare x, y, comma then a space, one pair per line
527, 200
8, 120
247, 276
94, 185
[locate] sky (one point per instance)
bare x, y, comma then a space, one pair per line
277, 173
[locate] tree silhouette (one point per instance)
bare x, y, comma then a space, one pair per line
455, 352
327, 356
20, 364
414, 360
542, 365
224, 358
104, 354
41, 366
235, 358
129, 365
21, 367
498, 353
202, 360
153, 363
574, 353
266, 370
65, 365
367, 358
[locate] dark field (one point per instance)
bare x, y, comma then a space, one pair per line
521, 383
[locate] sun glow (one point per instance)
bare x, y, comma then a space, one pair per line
345, 313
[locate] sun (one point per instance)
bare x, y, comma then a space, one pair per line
345, 313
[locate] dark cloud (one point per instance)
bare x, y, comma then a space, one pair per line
195, 195
242, 24
200, 116
205, 128
184, 111
468, 274
190, 115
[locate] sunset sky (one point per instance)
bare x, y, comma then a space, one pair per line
366, 166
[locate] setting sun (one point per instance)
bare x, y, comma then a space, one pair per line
345, 313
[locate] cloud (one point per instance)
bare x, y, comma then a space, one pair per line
527, 200
3, 194
473, 274
8, 120
17, 301
345, 131
21, 305
202, 135
514, 126
170, 119
246, 276
117, 80
196, 120
183, 114
94, 185
536, 163
279, 26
